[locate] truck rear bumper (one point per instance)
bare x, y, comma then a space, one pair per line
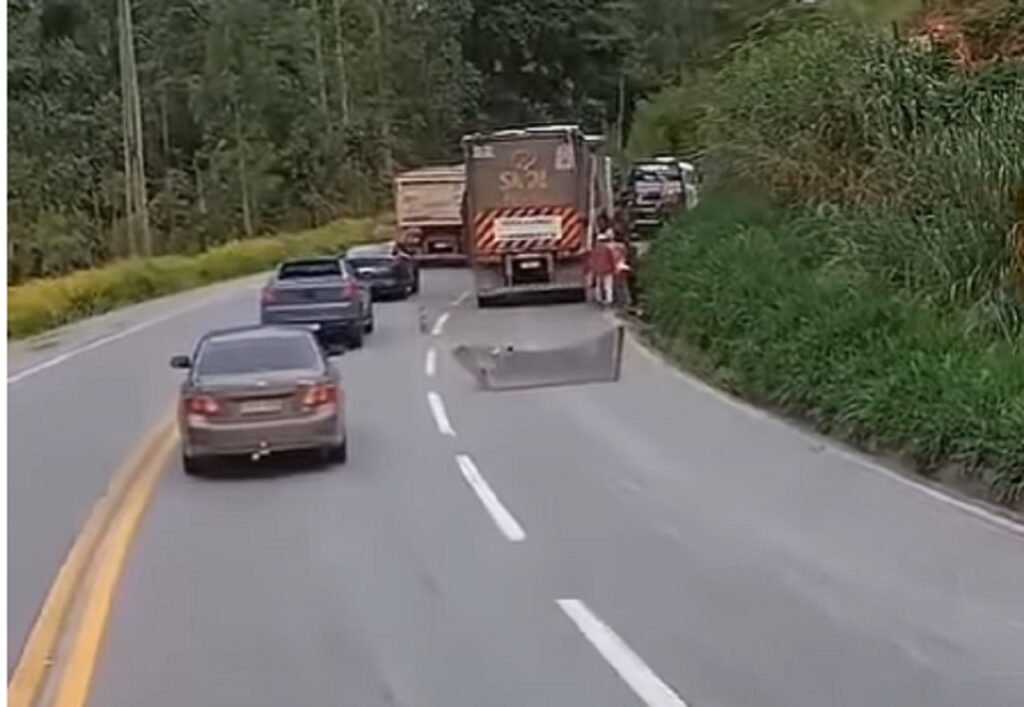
441, 258
565, 281
532, 294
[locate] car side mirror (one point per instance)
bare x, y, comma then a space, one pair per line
182, 362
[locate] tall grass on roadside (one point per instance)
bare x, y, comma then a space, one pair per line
918, 157
39, 305
759, 296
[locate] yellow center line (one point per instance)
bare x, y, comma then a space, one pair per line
39, 650
73, 687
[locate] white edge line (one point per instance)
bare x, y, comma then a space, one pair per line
439, 324
103, 341
430, 365
444, 425
630, 667
981, 513
505, 521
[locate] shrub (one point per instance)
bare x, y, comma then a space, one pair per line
38, 305
758, 293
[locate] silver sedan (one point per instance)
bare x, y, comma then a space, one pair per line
257, 390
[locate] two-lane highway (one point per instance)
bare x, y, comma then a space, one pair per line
641, 542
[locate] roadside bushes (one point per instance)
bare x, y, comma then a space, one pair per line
38, 305
870, 286
761, 300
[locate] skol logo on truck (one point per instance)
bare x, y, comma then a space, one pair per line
524, 175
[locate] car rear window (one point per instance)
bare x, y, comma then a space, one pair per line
257, 355
309, 268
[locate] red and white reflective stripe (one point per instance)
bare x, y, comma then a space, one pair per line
487, 242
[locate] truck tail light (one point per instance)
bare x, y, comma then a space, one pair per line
319, 395
268, 295
202, 405
349, 289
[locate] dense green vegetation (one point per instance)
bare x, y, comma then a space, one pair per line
46, 303
872, 286
755, 297
257, 115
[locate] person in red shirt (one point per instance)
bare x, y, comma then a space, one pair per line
602, 264
620, 272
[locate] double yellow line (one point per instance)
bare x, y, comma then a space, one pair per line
75, 611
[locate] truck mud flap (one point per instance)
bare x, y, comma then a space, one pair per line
594, 360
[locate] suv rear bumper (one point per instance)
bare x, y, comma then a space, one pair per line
327, 319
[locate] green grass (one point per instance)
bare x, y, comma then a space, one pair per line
757, 294
38, 305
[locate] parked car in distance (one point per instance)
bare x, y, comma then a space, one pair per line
256, 390
387, 270
323, 293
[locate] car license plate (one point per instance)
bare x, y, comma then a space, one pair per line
530, 264
261, 407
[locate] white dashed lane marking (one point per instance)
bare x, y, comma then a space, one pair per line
444, 425
630, 667
501, 516
439, 324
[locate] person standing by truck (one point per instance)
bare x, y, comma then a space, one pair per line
602, 264
621, 272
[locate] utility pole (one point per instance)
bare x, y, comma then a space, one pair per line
339, 55
136, 201
318, 51
382, 99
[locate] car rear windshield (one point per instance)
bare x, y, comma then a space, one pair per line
656, 175
257, 355
309, 268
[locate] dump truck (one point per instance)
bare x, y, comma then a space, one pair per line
532, 201
429, 208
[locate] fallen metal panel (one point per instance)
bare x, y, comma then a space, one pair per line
594, 360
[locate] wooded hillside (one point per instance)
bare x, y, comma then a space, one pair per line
262, 114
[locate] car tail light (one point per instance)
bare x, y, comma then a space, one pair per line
202, 405
268, 295
349, 289
319, 395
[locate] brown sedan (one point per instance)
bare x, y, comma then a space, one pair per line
256, 390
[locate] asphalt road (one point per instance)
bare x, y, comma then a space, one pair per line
642, 542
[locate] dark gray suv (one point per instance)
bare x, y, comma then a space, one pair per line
322, 293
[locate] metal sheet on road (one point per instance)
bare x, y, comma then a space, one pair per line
730, 549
